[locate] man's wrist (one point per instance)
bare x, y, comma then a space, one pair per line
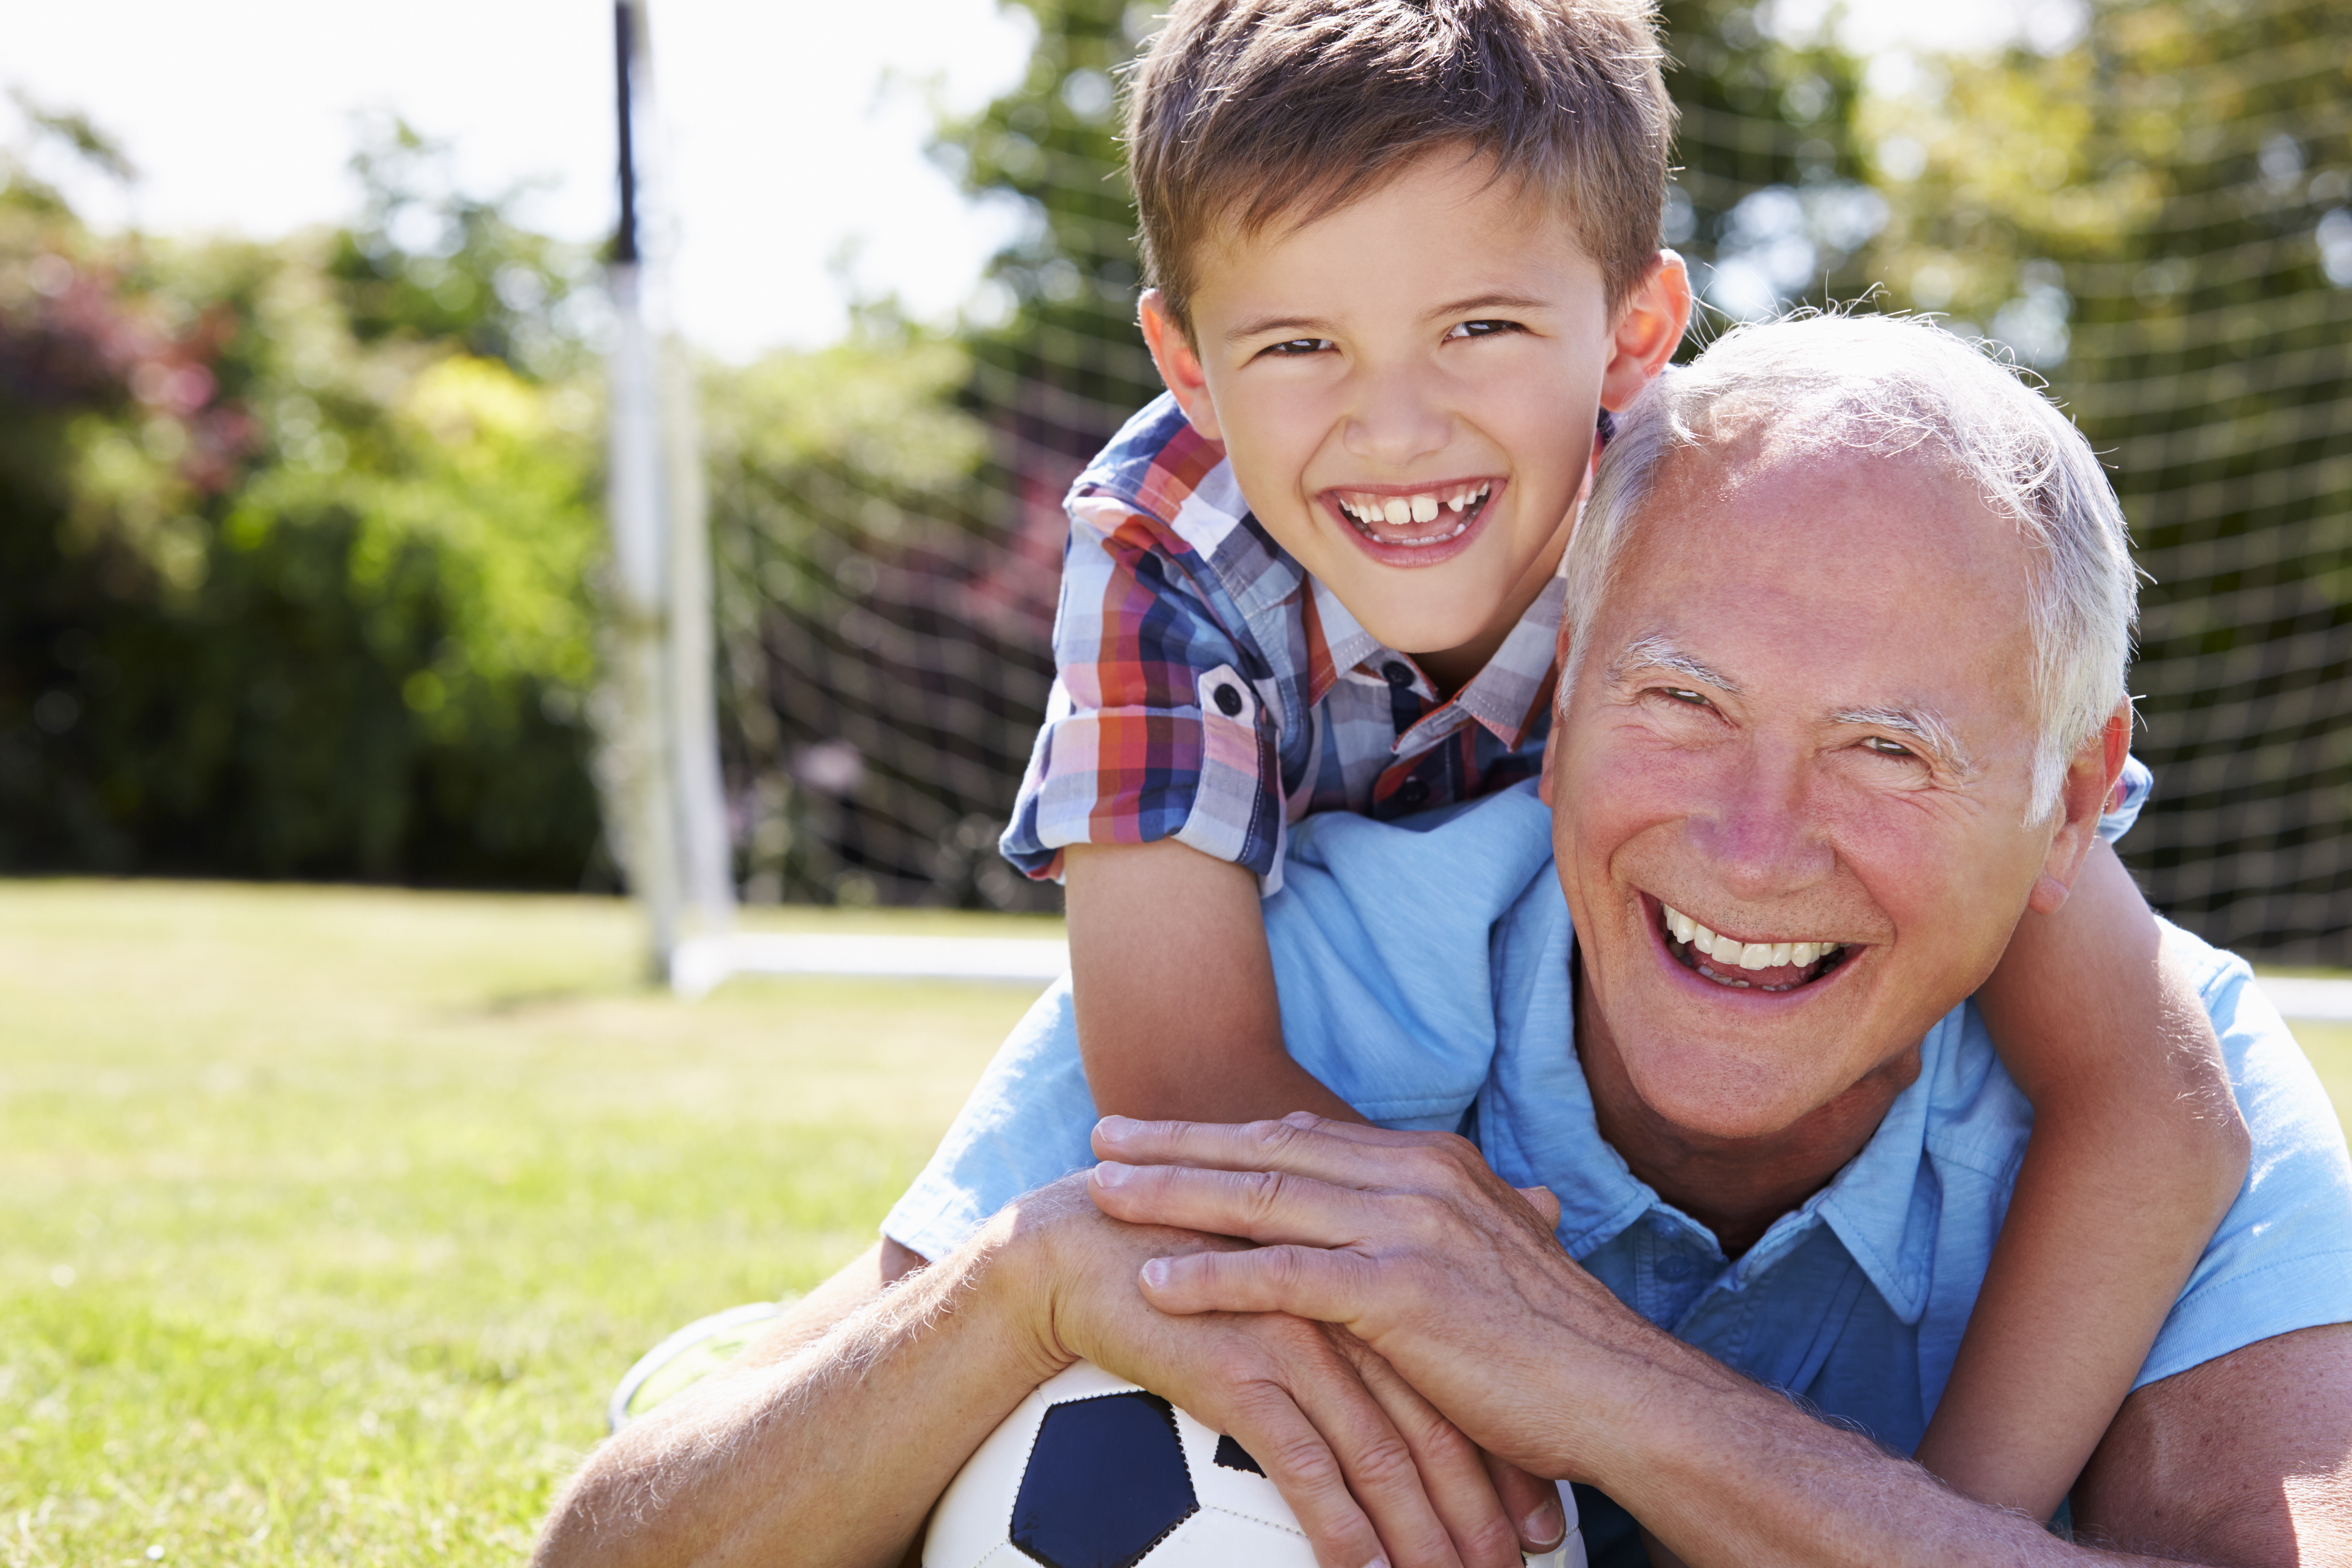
1635, 1406
1013, 1272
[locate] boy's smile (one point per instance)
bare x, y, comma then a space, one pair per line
1407, 389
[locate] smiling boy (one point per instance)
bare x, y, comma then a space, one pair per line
1404, 258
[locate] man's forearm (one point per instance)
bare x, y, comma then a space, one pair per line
832, 1456
1725, 1473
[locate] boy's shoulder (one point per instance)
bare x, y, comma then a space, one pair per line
1161, 485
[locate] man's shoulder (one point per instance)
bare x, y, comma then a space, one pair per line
1967, 1086
2281, 1259
1497, 844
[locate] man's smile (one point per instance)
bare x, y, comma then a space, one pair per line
1763, 962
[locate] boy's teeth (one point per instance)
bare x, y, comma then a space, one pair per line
1398, 512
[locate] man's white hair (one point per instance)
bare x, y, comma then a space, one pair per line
1891, 384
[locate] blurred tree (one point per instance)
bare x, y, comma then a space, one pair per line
1064, 365
287, 589
1769, 202
2157, 214
427, 262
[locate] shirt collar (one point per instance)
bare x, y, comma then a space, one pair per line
1506, 696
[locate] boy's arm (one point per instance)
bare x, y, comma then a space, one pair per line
2137, 1151
1174, 989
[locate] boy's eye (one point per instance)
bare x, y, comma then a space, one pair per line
1298, 347
1483, 328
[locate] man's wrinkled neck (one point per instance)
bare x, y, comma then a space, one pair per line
1735, 1187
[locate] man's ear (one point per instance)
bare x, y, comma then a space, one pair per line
1649, 330
1179, 363
2082, 800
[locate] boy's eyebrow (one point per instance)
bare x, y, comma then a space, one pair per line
1498, 301
1659, 652
1317, 325
1320, 326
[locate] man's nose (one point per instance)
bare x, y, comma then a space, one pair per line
1765, 838
1396, 421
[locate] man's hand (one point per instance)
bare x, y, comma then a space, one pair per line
1410, 1241
1373, 1472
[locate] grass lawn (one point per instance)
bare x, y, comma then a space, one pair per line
328, 1218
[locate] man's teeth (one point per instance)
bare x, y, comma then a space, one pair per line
1400, 511
1746, 955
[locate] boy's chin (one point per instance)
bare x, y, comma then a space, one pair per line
1405, 619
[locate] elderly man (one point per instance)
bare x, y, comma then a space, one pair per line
1847, 623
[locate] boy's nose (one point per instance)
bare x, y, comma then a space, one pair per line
1395, 423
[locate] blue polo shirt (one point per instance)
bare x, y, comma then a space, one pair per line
1424, 975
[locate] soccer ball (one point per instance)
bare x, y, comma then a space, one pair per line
1090, 1471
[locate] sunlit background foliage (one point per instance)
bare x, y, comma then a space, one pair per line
299, 542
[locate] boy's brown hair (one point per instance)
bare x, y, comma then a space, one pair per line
1242, 113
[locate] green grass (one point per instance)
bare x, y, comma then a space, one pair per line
328, 1218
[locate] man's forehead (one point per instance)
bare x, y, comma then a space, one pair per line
1907, 505
1848, 580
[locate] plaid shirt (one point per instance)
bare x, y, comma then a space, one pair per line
1209, 690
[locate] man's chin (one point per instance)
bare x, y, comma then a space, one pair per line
1728, 1071
1709, 1096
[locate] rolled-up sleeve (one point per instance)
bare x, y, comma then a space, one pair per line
1155, 728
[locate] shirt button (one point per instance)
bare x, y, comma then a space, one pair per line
1397, 673
1413, 792
1229, 701
1674, 1268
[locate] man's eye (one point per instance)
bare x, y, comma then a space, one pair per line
1483, 328
1296, 346
1685, 696
1886, 748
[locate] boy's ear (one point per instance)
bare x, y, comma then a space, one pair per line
1179, 363
1649, 330
2082, 800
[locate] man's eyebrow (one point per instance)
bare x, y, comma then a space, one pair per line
1656, 652
1922, 724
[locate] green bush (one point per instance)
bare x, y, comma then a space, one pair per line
296, 546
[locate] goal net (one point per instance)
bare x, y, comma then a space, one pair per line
2151, 206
